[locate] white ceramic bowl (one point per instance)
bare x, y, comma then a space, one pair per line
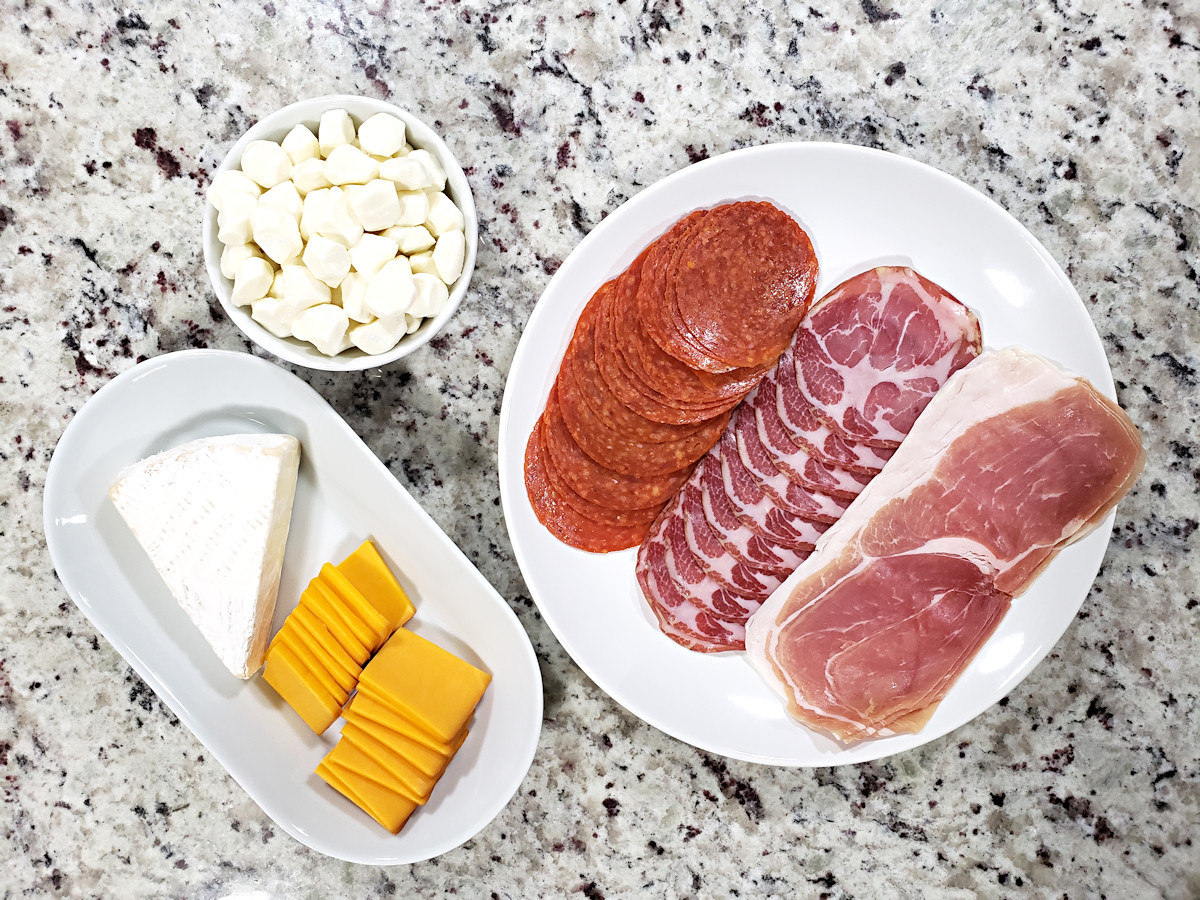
274, 127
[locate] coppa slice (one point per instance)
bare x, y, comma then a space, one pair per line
873, 351
1013, 460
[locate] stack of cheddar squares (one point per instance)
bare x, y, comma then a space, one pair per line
413, 701
345, 614
404, 726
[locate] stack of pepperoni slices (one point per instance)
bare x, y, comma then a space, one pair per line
660, 357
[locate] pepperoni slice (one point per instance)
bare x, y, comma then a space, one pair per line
606, 405
622, 453
639, 397
743, 280
560, 518
601, 514
658, 368
600, 484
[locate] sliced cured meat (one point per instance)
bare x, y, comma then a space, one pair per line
786, 492
815, 434
654, 366
643, 399
693, 579
1013, 460
638, 518
743, 542
679, 617
876, 348
625, 454
659, 316
741, 281
597, 483
748, 581
797, 461
561, 519
784, 470
607, 406
758, 510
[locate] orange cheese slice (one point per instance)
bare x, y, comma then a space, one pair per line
366, 570
352, 597
287, 637
373, 762
313, 610
429, 685
371, 708
389, 809
424, 758
322, 600
326, 647
295, 634
302, 691
402, 775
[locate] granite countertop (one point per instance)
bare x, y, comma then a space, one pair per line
1081, 122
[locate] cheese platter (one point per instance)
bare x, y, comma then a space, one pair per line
343, 494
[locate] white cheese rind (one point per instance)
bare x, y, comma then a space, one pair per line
213, 517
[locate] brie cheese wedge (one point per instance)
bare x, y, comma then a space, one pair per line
213, 516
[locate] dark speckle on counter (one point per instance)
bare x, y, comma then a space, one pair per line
1083, 122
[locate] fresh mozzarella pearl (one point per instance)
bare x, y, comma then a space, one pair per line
381, 135
266, 162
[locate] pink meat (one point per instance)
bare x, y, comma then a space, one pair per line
739, 540
757, 504
1013, 460
749, 581
814, 433
791, 496
797, 461
873, 351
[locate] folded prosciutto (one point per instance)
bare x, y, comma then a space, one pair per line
1012, 460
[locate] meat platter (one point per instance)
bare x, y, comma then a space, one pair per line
861, 208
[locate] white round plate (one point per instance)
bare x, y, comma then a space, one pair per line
861, 208
344, 495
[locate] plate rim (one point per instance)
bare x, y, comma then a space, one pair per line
56, 483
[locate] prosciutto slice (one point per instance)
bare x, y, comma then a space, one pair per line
1013, 460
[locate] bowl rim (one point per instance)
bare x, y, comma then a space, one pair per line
274, 126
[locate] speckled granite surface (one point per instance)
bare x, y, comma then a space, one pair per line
1081, 121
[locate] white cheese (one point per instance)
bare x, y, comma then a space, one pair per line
448, 255
336, 128
371, 252
266, 162
300, 145
253, 280
381, 135
327, 260
346, 164
213, 517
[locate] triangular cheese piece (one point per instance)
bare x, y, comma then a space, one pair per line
213, 516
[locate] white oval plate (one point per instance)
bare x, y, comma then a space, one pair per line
344, 495
861, 208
